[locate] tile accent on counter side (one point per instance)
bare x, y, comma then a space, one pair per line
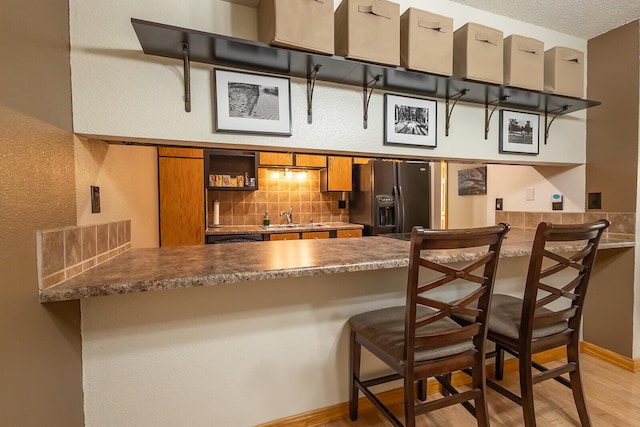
66, 252
502, 216
624, 223
552, 217
572, 217
532, 219
595, 216
516, 219
275, 194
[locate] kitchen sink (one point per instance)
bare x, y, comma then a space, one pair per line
292, 226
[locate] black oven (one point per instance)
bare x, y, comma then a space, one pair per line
233, 238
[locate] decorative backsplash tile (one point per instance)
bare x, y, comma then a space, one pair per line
622, 223
277, 192
66, 252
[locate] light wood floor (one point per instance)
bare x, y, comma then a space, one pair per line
613, 397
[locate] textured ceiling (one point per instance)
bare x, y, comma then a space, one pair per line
581, 18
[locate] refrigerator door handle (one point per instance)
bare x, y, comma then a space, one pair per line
399, 208
402, 210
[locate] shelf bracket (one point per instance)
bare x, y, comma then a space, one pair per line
187, 77
311, 84
487, 115
455, 97
367, 96
556, 113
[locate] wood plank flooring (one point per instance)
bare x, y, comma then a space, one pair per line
613, 398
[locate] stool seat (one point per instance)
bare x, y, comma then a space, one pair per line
384, 329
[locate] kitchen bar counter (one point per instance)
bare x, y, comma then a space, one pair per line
143, 270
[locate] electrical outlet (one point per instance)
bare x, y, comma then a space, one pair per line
342, 204
594, 201
499, 204
95, 199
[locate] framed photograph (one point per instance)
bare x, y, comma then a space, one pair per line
409, 121
472, 181
519, 132
252, 103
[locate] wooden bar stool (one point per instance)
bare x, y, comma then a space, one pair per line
420, 339
526, 326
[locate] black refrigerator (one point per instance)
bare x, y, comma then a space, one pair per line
391, 197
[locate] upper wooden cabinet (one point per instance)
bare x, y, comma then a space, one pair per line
290, 159
181, 195
195, 153
311, 161
361, 160
276, 159
337, 175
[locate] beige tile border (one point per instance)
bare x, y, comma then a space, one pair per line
97, 243
622, 223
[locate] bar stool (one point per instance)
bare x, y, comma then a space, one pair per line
420, 339
526, 326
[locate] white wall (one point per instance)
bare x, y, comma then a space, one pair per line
233, 355
510, 182
120, 92
128, 181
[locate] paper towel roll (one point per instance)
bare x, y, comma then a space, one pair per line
216, 212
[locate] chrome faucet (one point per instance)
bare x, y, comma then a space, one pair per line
289, 215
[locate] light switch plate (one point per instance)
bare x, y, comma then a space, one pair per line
95, 199
531, 194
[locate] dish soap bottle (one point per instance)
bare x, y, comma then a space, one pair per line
266, 221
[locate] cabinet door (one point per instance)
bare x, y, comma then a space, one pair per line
181, 201
276, 159
348, 233
361, 160
315, 235
284, 236
311, 161
337, 176
196, 153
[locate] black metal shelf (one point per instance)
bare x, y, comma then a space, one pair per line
192, 45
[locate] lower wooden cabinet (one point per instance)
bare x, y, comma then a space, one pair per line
284, 236
316, 235
349, 233
181, 193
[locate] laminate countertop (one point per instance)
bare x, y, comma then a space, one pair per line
154, 269
280, 228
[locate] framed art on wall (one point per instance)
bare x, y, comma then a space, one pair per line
409, 121
519, 132
252, 103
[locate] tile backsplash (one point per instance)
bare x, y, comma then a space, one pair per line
66, 252
622, 223
278, 191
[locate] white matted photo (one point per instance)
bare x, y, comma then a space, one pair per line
519, 132
252, 103
409, 121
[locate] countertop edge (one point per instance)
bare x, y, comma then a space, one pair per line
396, 259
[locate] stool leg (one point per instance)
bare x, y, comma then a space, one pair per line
354, 370
422, 389
479, 382
526, 390
443, 390
573, 355
499, 363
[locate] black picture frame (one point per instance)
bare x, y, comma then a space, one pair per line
410, 121
252, 103
519, 132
